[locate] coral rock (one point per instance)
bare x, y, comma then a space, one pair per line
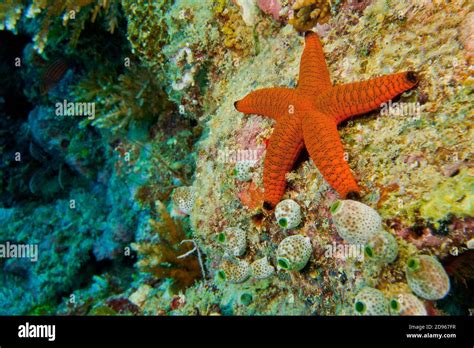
370, 301
355, 222
234, 240
294, 252
426, 277
288, 214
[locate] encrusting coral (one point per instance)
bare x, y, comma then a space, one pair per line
147, 29
160, 256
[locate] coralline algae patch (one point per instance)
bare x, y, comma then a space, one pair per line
402, 158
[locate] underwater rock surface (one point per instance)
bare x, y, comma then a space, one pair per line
131, 200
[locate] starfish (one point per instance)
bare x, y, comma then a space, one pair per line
308, 116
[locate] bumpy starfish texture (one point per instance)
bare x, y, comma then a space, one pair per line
308, 116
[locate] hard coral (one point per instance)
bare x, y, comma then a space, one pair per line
307, 13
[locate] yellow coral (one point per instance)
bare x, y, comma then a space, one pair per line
10, 13
307, 13
235, 32
454, 196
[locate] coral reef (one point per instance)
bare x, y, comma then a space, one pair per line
152, 205
147, 29
134, 96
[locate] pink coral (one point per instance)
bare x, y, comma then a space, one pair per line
247, 139
466, 36
271, 7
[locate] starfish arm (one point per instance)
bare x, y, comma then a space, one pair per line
286, 142
325, 148
271, 102
314, 74
358, 98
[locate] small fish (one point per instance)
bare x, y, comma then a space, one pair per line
52, 74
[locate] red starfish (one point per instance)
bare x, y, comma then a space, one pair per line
308, 115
